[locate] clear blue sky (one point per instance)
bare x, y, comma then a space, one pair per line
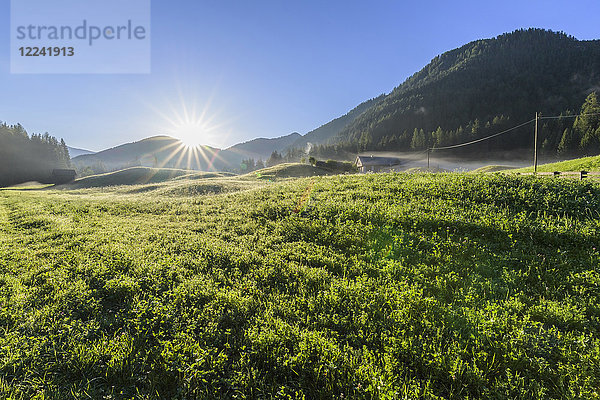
264, 68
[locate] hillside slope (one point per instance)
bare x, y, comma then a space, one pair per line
590, 164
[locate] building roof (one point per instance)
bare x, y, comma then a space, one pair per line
366, 161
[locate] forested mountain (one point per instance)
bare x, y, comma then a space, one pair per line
25, 158
483, 88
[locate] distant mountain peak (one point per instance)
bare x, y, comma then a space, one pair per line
261, 148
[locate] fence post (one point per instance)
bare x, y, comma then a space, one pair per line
535, 139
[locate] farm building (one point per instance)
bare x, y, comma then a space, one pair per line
60, 176
376, 164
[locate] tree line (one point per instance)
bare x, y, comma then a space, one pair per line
25, 157
250, 164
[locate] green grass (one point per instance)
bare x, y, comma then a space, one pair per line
378, 286
492, 168
28, 186
137, 176
590, 164
419, 170
288, 170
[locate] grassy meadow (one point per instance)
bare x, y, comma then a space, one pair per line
378, 286
590, 164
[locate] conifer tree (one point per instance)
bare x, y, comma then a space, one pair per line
587, 124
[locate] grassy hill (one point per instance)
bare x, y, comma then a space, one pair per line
363, 286
178, 182
292, 170
158, 182
135, 176
578, 164
493, 168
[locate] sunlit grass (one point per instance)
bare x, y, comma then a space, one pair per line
590, 164
379, 286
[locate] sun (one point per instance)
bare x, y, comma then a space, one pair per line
190, 117
191, 133
194, 129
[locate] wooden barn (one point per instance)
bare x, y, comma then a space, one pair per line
60, 176
376, 164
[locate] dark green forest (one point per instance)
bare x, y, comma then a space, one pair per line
483, 88
25, 157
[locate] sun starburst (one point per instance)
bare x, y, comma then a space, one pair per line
200, 129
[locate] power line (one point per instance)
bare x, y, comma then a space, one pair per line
506, 131
570, 116
536, 119
481, 139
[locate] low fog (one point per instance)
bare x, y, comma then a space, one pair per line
453, 164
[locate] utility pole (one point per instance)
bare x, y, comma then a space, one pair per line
428, 159
535, 141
